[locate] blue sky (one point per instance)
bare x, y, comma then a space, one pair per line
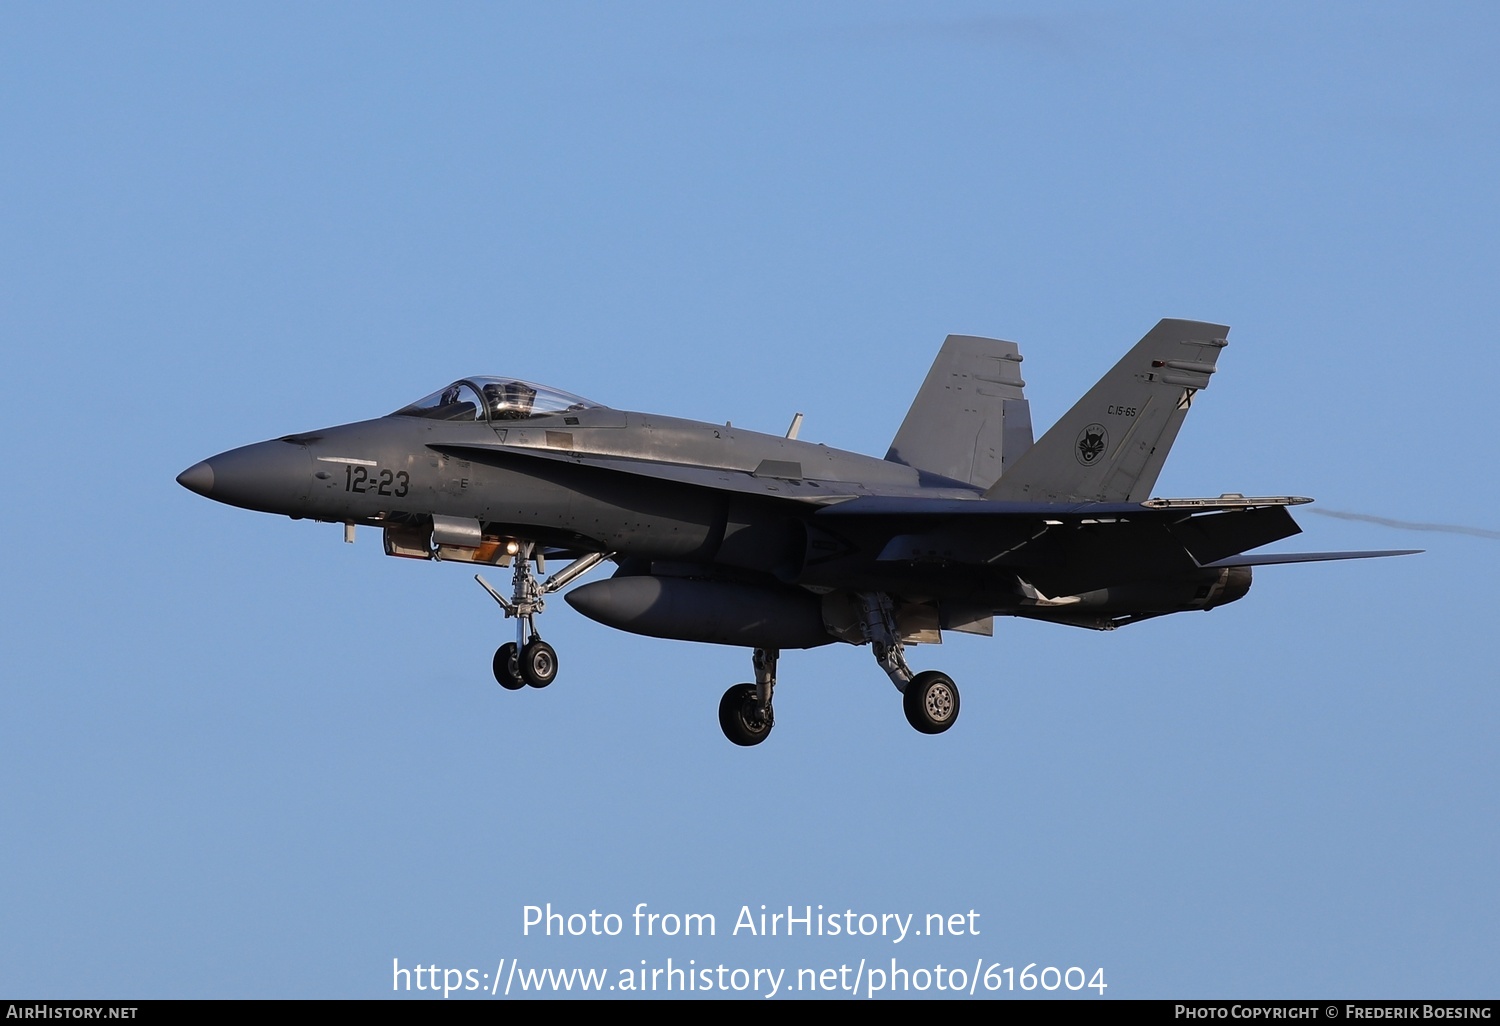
243, 759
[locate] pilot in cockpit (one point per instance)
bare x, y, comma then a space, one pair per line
509, 400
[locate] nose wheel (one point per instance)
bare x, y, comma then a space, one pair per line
507, 669
535, 664
538, 663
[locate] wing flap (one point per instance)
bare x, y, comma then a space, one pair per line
1273, 558
917, 506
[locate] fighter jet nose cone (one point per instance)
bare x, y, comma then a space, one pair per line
197, 478
273, 477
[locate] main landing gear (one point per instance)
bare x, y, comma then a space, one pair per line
929, 698
529, 660
745, 713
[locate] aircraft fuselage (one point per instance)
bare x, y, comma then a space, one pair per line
724, 535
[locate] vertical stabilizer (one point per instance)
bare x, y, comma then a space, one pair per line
1110, 447
970, 420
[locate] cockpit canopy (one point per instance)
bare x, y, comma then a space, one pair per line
495, 399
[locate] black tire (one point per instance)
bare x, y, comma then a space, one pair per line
931, 702
507, 673
739, 718
538, 663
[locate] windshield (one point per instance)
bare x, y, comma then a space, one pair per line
495, 399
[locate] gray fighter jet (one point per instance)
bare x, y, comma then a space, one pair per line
729, 536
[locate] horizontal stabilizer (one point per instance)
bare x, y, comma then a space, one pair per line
1271, 559
1217, 535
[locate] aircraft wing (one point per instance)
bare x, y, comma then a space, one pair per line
1215, 532
916, 506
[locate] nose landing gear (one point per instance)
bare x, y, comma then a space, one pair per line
529, 660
